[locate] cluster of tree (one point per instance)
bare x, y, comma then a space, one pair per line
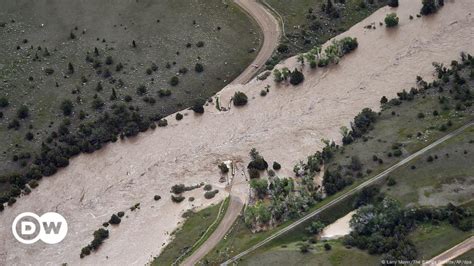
317, 57
99, 237
285, 201
391, 20
239, 99
383, 228
430, 6
67, 142
256, 164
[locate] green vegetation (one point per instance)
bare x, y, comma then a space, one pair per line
239, 99
99, 236
195, 230
430, 6
310, 23
374, 142
391, 20
113, 83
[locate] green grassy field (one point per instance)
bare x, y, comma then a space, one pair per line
193, 229
304, 30
317, 255
399, 130
170, 38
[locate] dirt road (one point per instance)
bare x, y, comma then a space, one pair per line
452, 253
271, 36
238, 196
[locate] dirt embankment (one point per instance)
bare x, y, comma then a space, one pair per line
284, 126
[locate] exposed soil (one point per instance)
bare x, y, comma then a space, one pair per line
284, 126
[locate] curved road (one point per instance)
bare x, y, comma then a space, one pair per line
271, 37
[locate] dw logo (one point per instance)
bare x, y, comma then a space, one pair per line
28, 228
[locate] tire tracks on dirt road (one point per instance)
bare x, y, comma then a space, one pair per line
271, 37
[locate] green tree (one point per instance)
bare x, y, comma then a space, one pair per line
67, 107
391, 20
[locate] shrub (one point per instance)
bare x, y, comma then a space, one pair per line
191, 198
114, 219
23, 112
428, 7
392, 3
157, 197
391, 20
67, 107
224, 168
327, 247
29, 136
200, 44
199, 68
391, 182
211, 194
253, 173
3, 102
177, 198
263, 93
141, 90
208, 187
174, 81
198, 108
178, 189
276, 166
296, 77
164, 92
97, 103
239, 99
304, 248
109, 60
162, 122
120, 214
11, 201
283, 48
179, 116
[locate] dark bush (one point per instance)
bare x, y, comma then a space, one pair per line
199, 68
391, 20
327, 247
23, 112
283, 48
177, 199
210, 194
164, 92
179, 116
174, 81
162, 122
392, 3
239, 99
253, 173
223, 167
208, 187
67, 107
3, 102
276, 166
296, 77
157, 197
114, 219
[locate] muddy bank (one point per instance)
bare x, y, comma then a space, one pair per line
285, 126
